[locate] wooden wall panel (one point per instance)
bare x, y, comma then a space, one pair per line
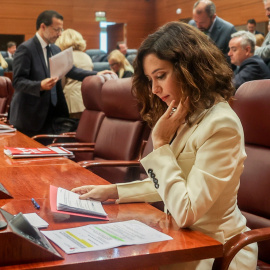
235, 11
19, 17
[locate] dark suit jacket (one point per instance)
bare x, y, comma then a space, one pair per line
251, 69
30, 106
257, 32
220, 34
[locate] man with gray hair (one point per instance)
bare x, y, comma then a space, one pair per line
264, 50
250, 67
205, 19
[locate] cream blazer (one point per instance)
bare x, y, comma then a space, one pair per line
72, 88
3, 62
197, 177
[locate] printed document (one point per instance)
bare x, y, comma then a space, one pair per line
104, 236
69, 201
61, 63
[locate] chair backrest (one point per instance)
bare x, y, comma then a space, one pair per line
99, 66
97, 55
132, 51
131, 58
6, 93
10, 63
252, 105
122, 130
4, 53
92, 116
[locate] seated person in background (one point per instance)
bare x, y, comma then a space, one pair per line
183, 83
250, 67
120, 65
11, 49
72, 88
259, 39
3, 62
251, 27
122, 47
264, 50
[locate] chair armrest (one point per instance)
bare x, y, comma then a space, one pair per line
232, 246
75, 147
53, 137
69, 133
109, 163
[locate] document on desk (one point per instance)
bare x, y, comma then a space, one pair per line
61, 63
66, 202
104, 236
6, 128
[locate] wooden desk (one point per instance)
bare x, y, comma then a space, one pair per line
17, 139
33, 180
186, 244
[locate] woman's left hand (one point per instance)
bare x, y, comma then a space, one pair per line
168, 124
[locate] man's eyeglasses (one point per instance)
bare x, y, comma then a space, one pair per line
59, 30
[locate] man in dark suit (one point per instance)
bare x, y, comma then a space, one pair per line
250, 67
11, 49
205, 19
251, 27
39, 99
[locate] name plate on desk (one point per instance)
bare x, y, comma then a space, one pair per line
23, 243
4, 194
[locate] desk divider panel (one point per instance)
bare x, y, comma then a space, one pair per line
23, 243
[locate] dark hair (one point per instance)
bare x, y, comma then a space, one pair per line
200, 68
11, 44
252, 21
46, 18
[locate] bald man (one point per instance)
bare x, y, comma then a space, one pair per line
205, 19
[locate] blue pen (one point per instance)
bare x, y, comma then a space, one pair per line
35, 203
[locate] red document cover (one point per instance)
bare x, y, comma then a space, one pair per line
18, 152
53, 203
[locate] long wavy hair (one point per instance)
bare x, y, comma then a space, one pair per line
200, 68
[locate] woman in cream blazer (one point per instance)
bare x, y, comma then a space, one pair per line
184, 84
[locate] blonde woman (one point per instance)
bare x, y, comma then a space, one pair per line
3, 62
72, 88
120, 65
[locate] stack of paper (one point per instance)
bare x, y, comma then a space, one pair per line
19, 152
35, 220
6, 128
67, 202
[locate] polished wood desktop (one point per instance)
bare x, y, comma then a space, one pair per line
17, 139
33, 180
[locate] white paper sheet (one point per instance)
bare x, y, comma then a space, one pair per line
61, 63
104, 236
35, 220
69, 201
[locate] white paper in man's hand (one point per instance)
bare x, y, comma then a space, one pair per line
61, 63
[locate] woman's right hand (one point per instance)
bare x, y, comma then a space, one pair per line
98, 193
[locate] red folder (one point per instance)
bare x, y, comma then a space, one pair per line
53, 203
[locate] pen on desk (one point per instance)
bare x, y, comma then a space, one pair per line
35, 203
